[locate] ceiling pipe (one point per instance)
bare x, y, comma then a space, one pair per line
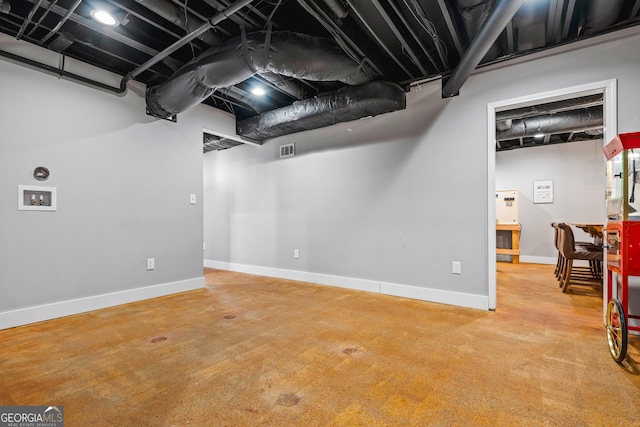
577, 120
176, 15
28, 20
488, 34
61, 72
215, 20
42, 17
64, 19
379, 41
399, 36
346, 44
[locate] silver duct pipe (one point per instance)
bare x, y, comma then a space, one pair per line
337, 8
290, 87
489, 33
601, 14
346, 104
5, 6
531, 24
216, 143
215, 20
577, 120
551, 107
175, 15
235, 60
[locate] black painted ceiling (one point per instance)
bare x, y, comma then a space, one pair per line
401, 41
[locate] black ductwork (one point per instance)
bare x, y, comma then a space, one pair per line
601, 14
346, 104
235, 60
577, 120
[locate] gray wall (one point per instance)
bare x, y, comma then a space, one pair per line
123, 181
395, 199
577, 170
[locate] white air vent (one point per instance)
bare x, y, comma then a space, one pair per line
287, 150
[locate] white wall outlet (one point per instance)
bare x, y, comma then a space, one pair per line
296, 253
151, 263
192, 199
456, 267
204, 246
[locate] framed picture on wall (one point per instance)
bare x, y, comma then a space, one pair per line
543, 191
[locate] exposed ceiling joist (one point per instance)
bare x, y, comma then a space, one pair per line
394, 41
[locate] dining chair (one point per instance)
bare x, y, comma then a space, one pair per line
571, 252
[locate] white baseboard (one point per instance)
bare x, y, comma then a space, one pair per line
24, 316
538, 259
460, 299
414, 292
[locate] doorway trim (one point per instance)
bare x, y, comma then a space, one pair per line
610, 102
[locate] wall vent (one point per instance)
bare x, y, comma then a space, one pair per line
288, 150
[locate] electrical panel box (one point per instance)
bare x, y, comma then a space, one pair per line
507, 207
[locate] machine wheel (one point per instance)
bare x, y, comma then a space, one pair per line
617, 334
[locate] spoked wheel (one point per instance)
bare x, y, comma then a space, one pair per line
617, 333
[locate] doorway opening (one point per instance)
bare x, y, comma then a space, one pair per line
501, 111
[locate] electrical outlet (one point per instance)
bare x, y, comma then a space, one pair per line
456, 267
204, 246
192, 199
151, 263
296, 253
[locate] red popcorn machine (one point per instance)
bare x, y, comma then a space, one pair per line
622, 242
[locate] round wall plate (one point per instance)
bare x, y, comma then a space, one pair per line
41, 173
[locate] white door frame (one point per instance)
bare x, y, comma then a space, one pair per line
607, 87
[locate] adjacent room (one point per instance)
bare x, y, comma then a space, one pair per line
319, 212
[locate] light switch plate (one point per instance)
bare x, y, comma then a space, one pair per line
456, 267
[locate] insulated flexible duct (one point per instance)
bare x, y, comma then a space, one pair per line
601, 14
577, 120
343, 105
235, 60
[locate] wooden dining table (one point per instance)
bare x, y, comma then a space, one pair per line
595, 230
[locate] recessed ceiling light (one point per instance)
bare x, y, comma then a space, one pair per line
258, 91
105, 18
539, 135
